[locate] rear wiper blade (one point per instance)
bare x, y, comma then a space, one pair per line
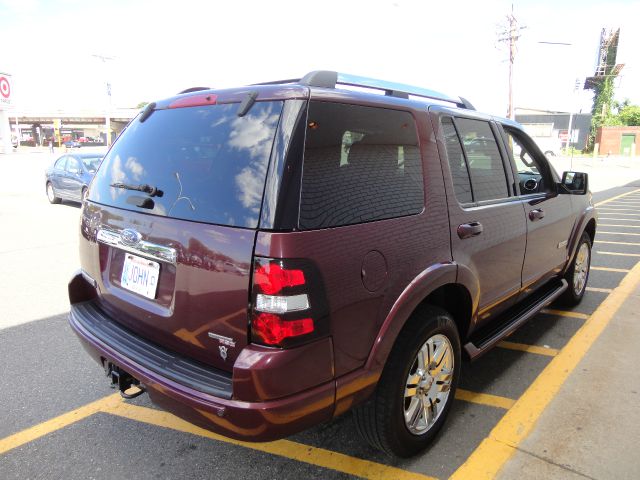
151, 190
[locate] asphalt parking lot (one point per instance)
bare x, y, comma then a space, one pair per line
59, 418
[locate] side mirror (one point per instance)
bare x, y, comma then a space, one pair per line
576, 183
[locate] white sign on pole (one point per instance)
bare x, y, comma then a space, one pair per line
5, 90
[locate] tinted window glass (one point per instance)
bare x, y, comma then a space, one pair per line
60, 163
457, 163
360, 164
485, 162
209, 164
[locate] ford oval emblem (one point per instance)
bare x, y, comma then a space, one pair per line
130, 237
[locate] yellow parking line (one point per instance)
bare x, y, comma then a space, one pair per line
522, 347
618, 233
609, 200
610, 269
562, 313
600, 290
61, 421
484, 399
619, 243
283, 448
494, 451
619, 254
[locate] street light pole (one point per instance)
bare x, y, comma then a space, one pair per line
571, 108
107, 115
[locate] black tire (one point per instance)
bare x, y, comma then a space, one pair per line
381, 419
577, 280
51, 194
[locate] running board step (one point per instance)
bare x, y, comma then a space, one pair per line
486, 339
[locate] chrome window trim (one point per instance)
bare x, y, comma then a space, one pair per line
146, 249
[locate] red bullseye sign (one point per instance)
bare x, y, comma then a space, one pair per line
5, 88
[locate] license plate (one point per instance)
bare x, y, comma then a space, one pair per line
140, 275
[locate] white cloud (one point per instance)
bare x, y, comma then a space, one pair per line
135, 168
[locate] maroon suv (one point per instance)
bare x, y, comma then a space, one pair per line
263, 259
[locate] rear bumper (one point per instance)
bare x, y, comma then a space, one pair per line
197, 393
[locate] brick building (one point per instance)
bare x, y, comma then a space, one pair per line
620, 140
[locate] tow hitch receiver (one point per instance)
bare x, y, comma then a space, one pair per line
123, 381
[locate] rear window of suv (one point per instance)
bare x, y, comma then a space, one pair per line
360, 164
208, 164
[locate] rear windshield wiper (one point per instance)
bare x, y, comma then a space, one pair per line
151, 190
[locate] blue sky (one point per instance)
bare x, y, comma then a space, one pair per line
160, 48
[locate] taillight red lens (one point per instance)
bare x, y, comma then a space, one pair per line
273, 330
271, 278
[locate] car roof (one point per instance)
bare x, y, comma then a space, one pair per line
85, 154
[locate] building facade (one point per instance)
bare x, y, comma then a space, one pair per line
621, 140
549, 127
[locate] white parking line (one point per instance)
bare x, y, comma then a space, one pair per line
618, 213
619, 254
599, 290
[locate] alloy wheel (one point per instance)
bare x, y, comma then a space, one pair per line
50, 193
428, 384
581, 269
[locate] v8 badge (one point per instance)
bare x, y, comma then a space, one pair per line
223, 352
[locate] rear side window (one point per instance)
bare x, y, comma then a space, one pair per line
457, 162
91, 164
60, 163
360, 164
208, 164
486, 168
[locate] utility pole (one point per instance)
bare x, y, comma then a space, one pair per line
510, 35
107, 116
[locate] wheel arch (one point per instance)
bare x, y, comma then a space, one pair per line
587, 222
437, 286
591, 229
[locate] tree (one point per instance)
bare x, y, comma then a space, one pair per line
630, 115
602, 104
142, 105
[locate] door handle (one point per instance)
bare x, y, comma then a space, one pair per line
467, 230
536, 214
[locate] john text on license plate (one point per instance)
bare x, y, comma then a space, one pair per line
140, 275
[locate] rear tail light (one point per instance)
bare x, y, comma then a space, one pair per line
270, 277
272, 329
288, 304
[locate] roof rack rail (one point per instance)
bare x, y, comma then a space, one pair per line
329, 79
